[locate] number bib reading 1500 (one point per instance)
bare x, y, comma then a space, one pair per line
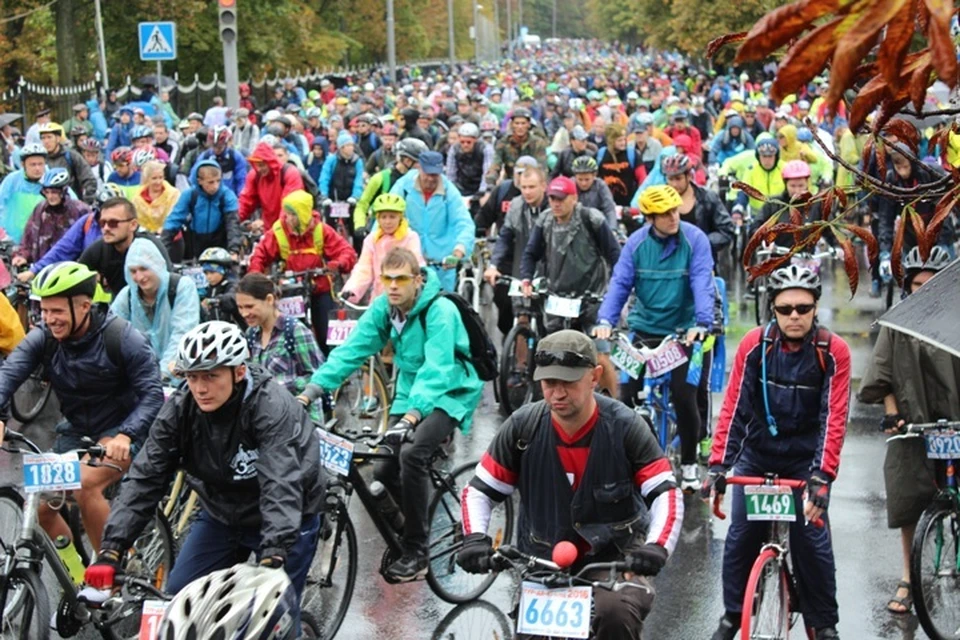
51, 472
766, 503
555, 613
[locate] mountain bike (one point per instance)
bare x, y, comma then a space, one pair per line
333, 573
339, 215
771, 600
470, 282
32, 396
24, 601
935, 554
296, 291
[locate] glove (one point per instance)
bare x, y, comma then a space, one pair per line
451, 261
818, 491
272, 562
326, 202
398, 432
333, 267
716, 481
648, 559
346, 295
474, 556
891, 421
102, 573
886, 271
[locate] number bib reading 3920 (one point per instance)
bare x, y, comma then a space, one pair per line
555, 613
770, 503
51, 472
942, 444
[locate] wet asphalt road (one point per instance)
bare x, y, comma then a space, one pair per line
688, 600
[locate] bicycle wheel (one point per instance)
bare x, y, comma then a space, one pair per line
362, 401
889, 288
30, 618
445, 577
480, 620
32, 396
766, 611
517, 386
333, 573
935, 571
11, 520
309, 628
762, 305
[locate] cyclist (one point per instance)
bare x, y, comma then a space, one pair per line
437, 385
206, 215
11, 330
594, 193
367, 139
99, 165
701, 207
408, 155
469, 160
669, 266
250, 453
731, 141
245, 132
233, 166
161, 306
301, 240
590, 472
648, 147
784, 412
124, 173
82, 180
218, 269
761, 169
267, 185
436, 211
105, 377
796, 178
616, 167
496, 206
916, 383
681, 126
342, 176
120, 132
578, 248
520, 142
578, 148
20, 190
386, 155
156, 198
51, 219
392, 230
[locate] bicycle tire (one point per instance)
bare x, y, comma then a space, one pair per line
493, 623
348, 397
309, 628
939, 520
31, 397
762, 305
446, 537
11, 521
752, 617
317, 598
31, 619
889, 288
515, 396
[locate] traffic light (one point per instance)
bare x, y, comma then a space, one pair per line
228, 20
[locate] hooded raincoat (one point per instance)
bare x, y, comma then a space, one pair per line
212, 220
267, 192
151, 214
375, 248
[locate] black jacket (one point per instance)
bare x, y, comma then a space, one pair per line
713, 218
889, 210
255, 462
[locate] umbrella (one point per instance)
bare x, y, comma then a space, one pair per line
931, 313
9, 118
151, 79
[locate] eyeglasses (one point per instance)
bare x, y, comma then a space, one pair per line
401, 279
788, 309
113, 224
570, 359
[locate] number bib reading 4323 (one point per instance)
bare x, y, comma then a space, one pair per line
51, 472
942, 444
555, 613
336, 453
770, 503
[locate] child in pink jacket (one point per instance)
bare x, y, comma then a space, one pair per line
392, 230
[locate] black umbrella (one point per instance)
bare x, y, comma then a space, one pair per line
9, 118
151, 79
931, 313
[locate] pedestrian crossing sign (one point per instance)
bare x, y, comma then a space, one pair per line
158, 41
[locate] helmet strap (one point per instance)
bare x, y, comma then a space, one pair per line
73, 319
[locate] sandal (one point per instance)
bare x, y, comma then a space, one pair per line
906, 601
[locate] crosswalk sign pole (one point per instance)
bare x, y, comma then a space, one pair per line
159, 77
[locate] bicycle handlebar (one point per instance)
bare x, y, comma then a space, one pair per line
508, 557
96, 451
756, 481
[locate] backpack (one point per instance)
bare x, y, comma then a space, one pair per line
309, 184
631, 155
482, 349
112, 338
289, 337
822, 343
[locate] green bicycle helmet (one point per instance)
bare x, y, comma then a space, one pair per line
65, 279
389, 202
584, 164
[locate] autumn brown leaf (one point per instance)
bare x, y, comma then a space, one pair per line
782, 25
827, 205
757, 238
796, 216
850, 264
807, 57
896, 252
947, 204
751, 191
918, 230
918, 85
944, 54
873, 247
890, 108
842, 197
767, 266
865, 155
717, 43
882, 161
895, 43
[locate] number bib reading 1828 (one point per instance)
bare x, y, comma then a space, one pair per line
942, 444
336, 453
665, 359
770, 503
51, 472
293, 306
339, 330
555, 613
153, 611
566, 307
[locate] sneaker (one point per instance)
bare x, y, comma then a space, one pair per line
875, 289
727, 629
408, 568
689, 478
827, 633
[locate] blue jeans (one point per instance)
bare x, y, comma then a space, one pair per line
212, 545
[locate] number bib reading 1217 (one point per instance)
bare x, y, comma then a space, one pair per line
942, 444
770, 503
555, 613
51, 472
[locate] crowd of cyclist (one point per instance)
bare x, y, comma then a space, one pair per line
591, 167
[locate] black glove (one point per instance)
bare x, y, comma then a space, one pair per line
818, 490
648, 559
398, 433
891, 421
474, 556
716, 481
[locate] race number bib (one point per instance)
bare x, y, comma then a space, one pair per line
555, 613
153, 611
339, 330
294, 306
336, 453
50, 472
942, 444
565, 307
340, 210
627, 357
196, 274
770, 504
665, 359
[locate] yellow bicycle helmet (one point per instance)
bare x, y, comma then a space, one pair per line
658, 200
51, 127
389, 202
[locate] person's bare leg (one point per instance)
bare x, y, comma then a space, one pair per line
906, 542
94, 508
53, 523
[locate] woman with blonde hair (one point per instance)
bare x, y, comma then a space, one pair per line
156, 197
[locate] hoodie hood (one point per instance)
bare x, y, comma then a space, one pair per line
431, 289
264, 152
683, 142
209, 162
143, 253
734, 121
301, 203
789, 133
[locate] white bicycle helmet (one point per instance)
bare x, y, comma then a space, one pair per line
469, 130
212, 344
143, 156
109, 191
794, 277
32, 150
239, 603
56, 178
936, 261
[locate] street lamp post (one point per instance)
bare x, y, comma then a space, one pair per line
391, 42
476, 32
453, 46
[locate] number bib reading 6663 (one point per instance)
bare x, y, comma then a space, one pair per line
51, 472
153, 611
942, 444
555, 613
766, 503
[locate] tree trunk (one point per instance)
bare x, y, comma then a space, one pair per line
66, 48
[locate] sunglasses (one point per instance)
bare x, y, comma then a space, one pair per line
400, 279
563, 358
113, 224
788, 309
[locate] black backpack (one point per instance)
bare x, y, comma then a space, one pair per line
112, 338
482, 349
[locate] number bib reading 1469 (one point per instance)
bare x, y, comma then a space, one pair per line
942, 444
770, 503
555, 613
51, 472
153, 611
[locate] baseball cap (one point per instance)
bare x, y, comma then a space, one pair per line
431, 163
522, 163
565, 355
579, 133
562, 186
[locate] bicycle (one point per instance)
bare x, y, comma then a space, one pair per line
335, 563
32, 396
771, 598
763, 301
23, 597
470, 282
339, 215
935, 554
296, 291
